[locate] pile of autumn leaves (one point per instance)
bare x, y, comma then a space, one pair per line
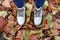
49, 28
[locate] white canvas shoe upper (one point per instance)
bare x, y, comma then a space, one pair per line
21, 16
37, 16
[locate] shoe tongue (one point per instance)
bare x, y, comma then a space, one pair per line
19, 3
39, 3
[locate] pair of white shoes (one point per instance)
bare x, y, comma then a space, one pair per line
37, 15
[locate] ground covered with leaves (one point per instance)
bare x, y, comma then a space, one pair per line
49, 29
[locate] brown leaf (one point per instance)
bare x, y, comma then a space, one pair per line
14, 9
54, 32
2, 23
19, 36
33, 37
6, 3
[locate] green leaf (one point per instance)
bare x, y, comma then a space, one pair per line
28, 7
3, 13
37, 32
45, 5
27, 13
49, 17
49, 32
34, 32
50, 23
26, 34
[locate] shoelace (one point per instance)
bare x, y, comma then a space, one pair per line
20, 13
37, 13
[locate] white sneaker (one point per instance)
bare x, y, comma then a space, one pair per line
21, 16
37, 15
20, 4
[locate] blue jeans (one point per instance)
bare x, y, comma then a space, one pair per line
39, 3
19, 3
